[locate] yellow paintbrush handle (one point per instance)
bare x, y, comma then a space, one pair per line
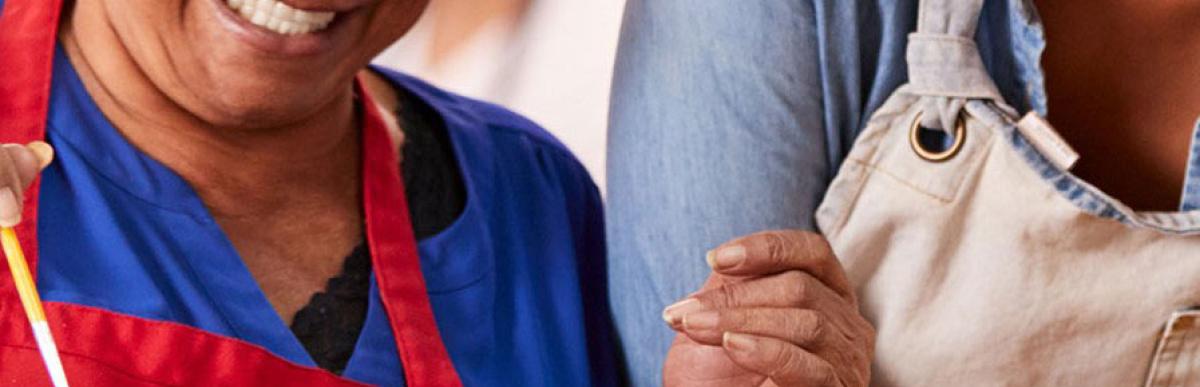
21, 276
33, 305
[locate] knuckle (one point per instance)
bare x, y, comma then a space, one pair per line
827, 376
794, 277
723, 297
781, 361
734, 319
817, 245
810, 326
860, 330
778, 247
798, 285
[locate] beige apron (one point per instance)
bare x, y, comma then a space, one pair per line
985, 263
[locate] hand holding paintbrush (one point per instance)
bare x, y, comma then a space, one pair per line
19, 165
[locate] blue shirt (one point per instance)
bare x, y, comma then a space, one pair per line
516, 282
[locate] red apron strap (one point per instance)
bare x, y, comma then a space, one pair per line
394, 257
28, 29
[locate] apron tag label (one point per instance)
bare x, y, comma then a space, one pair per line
1047, 141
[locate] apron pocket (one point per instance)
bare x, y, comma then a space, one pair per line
1178, 352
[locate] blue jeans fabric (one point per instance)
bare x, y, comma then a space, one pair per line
731, 117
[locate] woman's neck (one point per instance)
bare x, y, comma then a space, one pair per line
237, 171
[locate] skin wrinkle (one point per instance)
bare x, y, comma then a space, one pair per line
81, 59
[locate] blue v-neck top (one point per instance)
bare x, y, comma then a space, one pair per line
516, 282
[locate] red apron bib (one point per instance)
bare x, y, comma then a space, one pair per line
103, 348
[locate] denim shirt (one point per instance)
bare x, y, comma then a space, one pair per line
731, 117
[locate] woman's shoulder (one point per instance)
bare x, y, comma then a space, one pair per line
491, 140
459, 109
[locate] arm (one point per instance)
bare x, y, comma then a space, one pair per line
728, 118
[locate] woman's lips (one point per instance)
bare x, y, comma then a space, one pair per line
280, 18
277, 29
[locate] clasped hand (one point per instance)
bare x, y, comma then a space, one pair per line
778, 310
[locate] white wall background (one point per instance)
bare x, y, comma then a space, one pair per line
554, 66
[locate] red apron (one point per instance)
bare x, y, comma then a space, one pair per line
103, 348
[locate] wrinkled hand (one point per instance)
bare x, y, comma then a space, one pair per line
778, 311
19, 164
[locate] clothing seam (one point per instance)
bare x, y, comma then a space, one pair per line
1038, 164
113, 181
843, 216
483, 275
542, 143
875, 168
104, 363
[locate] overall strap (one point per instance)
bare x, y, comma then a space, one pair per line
28, 29
944, 66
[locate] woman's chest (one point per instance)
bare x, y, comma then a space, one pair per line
293, 253
1125, 96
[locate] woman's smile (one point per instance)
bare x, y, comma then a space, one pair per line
276, 27
279, 17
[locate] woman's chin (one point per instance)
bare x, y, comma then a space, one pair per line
256, 110
228, 89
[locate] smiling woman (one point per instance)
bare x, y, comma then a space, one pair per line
227, 206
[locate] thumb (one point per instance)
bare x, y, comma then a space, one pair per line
19, 165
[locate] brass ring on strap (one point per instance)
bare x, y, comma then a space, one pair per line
960, 135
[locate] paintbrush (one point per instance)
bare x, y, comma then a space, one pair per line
33, 306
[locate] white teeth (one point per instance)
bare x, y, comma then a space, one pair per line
276, 16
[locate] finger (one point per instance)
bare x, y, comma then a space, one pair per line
783, 290
802, 327
43, 151
29, 160
772, 252
673, 314
19, 166
784, 363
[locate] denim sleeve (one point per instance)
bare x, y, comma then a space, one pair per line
729, 117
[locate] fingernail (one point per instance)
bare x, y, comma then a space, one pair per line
44, 152
674, 314
739, 342
10, 213
701, 321
728, 257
